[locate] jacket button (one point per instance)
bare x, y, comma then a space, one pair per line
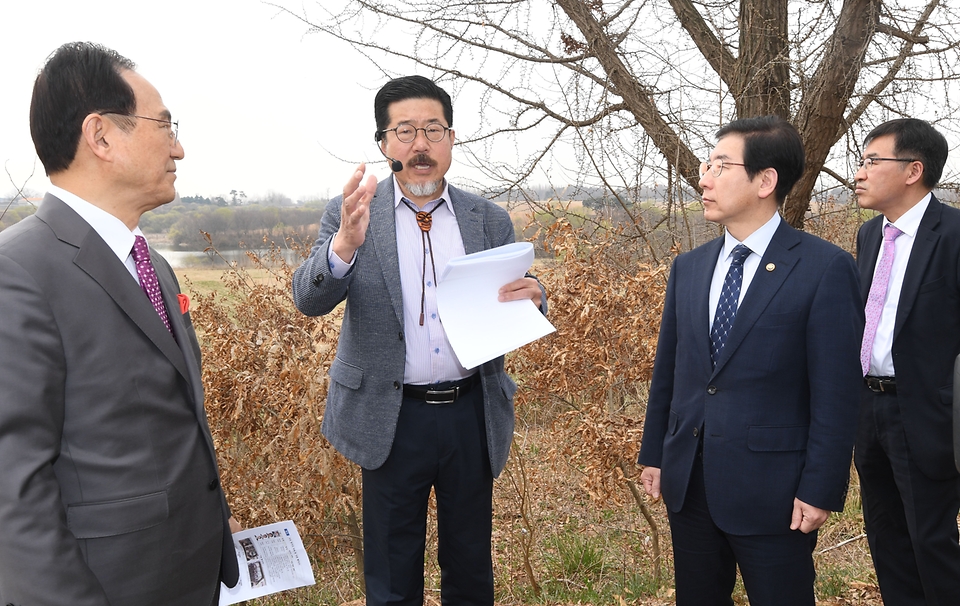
401, 335
712, 389
396, 385
696, 431
318, 280
213, 484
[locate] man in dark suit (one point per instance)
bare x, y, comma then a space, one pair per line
400, 405
909, 260
750, 421
109, 492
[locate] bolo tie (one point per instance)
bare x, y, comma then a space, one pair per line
425, 221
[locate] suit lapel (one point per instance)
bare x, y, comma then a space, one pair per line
868, 253
383, 228
923, 246
700, 300
777, 263
99, 262
469, 220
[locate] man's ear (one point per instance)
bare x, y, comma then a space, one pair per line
915, 173
95, 133
768, 182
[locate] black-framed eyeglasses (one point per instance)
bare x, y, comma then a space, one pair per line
173, 127
406, 133
716, 167
871, 161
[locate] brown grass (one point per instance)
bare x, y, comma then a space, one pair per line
568, 528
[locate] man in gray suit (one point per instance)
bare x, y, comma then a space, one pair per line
109, 493
400, 404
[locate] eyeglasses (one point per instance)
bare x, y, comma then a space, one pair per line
407, 133
173, 128
871, 161
716, 167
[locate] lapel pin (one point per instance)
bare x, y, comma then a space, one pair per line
771, 267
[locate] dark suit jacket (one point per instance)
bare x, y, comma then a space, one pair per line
777, 415
366, 377
926, 336
109, 492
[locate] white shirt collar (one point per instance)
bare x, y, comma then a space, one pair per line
757, 242
112, 230
909, 222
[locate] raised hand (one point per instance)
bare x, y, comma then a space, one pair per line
354, 214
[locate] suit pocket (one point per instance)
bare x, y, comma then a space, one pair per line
767, 438
932, 285
346, 374
112, 518
781, 319
673, 424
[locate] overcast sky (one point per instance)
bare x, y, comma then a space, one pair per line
262, 106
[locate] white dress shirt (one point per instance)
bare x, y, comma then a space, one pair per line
112, 230
757, 242
881, 358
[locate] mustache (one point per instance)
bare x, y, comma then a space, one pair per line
422, 159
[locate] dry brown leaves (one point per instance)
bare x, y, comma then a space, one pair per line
265, 374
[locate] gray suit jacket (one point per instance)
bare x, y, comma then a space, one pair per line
366, 377
109, 492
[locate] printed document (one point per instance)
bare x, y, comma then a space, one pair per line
272, 559
478, 325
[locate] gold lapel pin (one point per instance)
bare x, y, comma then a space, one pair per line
771, 267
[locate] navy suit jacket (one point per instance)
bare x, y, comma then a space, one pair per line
926, 334
777, 416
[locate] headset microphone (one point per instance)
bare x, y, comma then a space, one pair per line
395, 165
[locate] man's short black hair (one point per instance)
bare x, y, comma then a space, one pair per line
408, 87
78, 79
770, 142
913, 138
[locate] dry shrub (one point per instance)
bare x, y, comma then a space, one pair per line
265, 374
606, 305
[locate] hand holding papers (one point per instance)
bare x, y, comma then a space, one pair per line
272, 559
479, 326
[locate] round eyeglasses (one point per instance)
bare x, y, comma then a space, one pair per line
407, 133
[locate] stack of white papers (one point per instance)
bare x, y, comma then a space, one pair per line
478, 325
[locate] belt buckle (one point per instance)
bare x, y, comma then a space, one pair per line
451, 393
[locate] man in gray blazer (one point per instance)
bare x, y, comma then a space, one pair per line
109, 492
400, 405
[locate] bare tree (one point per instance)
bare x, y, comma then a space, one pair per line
636, 88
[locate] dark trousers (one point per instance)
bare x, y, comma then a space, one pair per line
777, 570
911, 519
445, 447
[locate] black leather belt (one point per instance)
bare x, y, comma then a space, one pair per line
881, 384
441, 393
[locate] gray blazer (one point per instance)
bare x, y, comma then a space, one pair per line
109, 492
366, 377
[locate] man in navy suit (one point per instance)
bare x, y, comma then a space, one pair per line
751, 417
909, 483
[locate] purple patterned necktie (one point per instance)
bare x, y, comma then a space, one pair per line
728, 303
878, 293
148, 278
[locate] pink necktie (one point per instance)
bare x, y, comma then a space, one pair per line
148, 278
878, 292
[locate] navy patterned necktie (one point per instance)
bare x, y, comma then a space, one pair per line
729, 299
